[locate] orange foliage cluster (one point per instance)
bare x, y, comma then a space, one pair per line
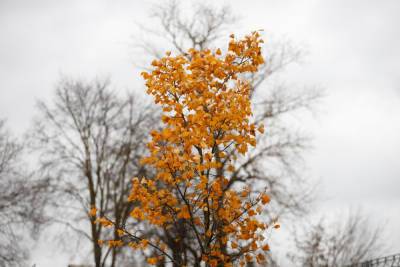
207, 123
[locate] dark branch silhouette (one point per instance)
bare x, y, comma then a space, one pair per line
90, 141
339, 242
22, 202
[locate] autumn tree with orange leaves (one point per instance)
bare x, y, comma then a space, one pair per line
207, 126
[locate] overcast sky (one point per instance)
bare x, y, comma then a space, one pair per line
354, 54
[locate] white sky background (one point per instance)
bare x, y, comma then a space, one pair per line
354, 54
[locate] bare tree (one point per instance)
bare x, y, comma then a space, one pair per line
199, 30
22, 202
337, 243
90, 142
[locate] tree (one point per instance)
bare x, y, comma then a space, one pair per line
338, 243
277, 161
90, 141
22, 201
203, 218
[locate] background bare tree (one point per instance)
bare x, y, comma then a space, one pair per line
90, 142
22, 202
199, 30
340, 242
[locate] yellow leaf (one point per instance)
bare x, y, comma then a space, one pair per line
261, 128
120, 232
234, 245
152, 261
93, 211
265, 247
265, 199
